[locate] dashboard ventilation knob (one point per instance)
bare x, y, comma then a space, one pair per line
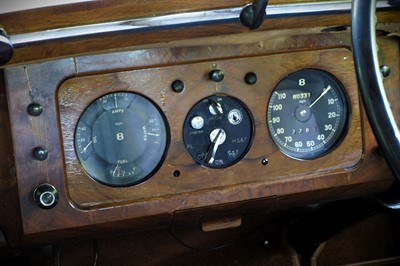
253, 15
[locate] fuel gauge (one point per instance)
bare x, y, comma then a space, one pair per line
121, 139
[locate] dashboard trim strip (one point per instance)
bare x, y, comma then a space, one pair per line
188, 19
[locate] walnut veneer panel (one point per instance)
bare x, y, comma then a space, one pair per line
109, 10
354, 168
76, 94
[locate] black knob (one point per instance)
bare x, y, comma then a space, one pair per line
250, 78
385, 71
216, 75
40, 153
35, 109
46, 196
178, 86
6, 48
253, 15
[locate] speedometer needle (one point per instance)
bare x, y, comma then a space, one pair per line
322, 95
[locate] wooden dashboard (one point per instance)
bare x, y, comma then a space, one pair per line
65, 77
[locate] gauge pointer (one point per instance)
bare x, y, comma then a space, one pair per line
322, 95
116, 169
212, 150
87, 146
116, 101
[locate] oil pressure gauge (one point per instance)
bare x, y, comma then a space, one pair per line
308, 114
218, 131
121, 139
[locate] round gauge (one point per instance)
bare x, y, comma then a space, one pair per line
308, 114
121, 139
218, 131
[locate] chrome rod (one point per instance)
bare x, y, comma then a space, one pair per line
188, 19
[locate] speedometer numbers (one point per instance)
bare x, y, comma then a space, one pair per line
308, 114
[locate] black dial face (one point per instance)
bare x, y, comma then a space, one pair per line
308, 114
218, 131
121, 139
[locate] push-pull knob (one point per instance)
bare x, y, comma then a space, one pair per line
6, 48
216, 75
46, 196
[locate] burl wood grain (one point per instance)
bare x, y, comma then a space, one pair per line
10, 223
109, 10
76, 94
65, 86
106, 11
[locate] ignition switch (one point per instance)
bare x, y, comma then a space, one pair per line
218, 131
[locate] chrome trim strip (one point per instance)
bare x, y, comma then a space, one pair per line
188, 19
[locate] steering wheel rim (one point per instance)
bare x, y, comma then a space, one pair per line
370, 82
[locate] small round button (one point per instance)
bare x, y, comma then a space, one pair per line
178, 86
385, 71
40, 153
197, 122
250, 78
35, 109
46, 196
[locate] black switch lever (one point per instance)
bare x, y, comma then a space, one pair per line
253, 15
6, 48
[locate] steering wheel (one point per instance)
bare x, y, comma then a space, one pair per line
377, 106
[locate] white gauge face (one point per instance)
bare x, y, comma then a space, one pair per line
308, 114
121, 139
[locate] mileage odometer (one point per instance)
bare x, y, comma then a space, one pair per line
308, 114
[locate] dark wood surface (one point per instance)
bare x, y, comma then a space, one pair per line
45, 72
76, 94
109, 10
105, 11
11, 222
64, 87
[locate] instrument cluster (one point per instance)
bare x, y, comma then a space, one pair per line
146, 140
205, 125
122, 138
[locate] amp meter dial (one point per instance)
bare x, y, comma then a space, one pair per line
121, 139
218, 131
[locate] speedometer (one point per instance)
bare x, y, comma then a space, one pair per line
308, 114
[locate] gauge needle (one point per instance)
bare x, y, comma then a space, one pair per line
87, 146
116, 101
322, 95
212, 150
116, 169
